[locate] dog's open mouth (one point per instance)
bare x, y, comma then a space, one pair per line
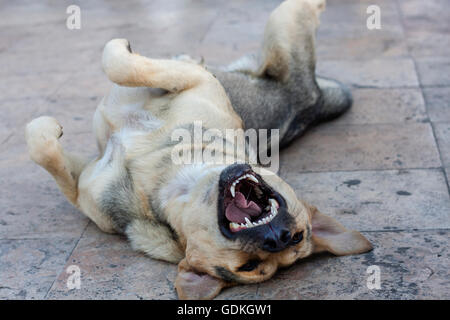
248, 202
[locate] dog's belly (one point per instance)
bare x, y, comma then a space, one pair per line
126, 107
129, 107
117, 186
134, 128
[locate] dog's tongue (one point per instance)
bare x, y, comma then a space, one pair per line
240, 208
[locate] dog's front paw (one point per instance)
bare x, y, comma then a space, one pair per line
42, 136
116, 60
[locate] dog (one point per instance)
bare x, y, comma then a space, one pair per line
223, 224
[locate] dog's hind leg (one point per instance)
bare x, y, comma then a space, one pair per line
42, 136
288, 50
288, 55
278, 88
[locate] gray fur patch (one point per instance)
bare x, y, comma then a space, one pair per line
212, 185
308, 232
119, 201
153, 202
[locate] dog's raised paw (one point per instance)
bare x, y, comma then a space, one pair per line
42, 136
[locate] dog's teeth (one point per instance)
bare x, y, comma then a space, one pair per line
249, 223
273, 211
274, 203
273, 207
234, 226
233, 190
252, 178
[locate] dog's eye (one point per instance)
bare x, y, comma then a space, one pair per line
250, 265
296, 238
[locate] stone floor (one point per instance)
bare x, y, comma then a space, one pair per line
383, 168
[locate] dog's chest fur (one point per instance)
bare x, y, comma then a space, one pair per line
139, 153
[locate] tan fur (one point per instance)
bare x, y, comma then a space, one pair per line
172, 208
282, 31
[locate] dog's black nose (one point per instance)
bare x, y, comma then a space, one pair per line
277, 240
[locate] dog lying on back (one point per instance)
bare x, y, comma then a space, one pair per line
225, 223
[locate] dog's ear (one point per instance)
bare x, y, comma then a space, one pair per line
192, 285
329, 235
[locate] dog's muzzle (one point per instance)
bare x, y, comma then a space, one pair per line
249, 208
